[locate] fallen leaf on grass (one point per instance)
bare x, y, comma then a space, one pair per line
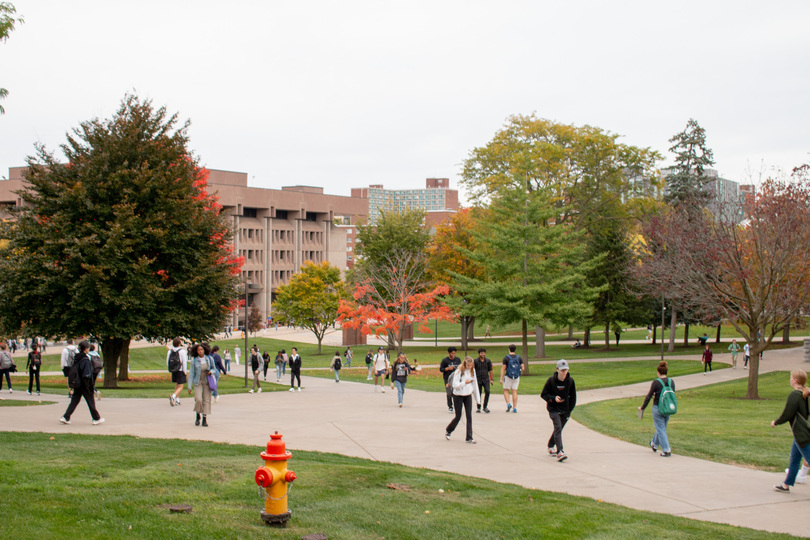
400, 487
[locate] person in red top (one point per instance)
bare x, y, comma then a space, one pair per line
707, 360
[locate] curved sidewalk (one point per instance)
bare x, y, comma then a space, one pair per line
351, 419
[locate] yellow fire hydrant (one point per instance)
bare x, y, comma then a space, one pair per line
274, 478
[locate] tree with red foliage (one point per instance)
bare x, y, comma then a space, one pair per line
393, 294
753, 274
122, 240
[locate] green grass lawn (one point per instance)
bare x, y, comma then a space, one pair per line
114, 487
713, 422
587, 375
5, 402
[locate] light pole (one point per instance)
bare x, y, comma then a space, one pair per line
247, 288
663, 312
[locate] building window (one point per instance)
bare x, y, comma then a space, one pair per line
281, 214
249, 212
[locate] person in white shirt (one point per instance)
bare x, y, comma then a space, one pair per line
63, 363
179, 377
237, 352
380, 368
465, 387
747, 355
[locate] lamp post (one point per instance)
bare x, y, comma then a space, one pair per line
247, 288
663, 312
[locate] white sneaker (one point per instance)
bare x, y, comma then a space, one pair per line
177, 401
382, 389
64, 421
99, 421
260, 391
251, 391
299, 388
216, 399
171, 400
292, 389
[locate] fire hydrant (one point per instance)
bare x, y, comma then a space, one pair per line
274, 478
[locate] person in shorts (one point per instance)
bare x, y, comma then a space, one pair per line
180, 377
381, 365
510, 378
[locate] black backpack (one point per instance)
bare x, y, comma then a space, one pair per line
74, 380
174, 361
338, 364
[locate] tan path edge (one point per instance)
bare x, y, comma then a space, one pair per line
351, 419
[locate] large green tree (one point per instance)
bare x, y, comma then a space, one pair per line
310, 299
7, 25
120, 240
692, 156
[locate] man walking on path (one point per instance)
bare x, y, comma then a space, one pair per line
177, 353
510, 377
483, 373
370, 364
380, 368
560, 395
447, 367
66, 360
82, 379
237, 352
295, 369
255, 367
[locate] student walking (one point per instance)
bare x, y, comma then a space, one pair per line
201, 366
734, 349
265, 364
381, 366
255, 366
279, 361
295, 369
348, 354
80, 378
399, 375
335, 366
560, 395
510, 377
447, 368
465, 387
746, 355
33, 366
660, 421
369, 363
6, 361
795, 413
219, 370
483, 375
707, 360
177, 359
227, 358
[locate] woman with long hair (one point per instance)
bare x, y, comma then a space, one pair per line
464, 386
660, 421
399, 374
795, 412
33, 365
201, 366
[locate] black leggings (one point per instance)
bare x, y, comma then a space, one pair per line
32, 374
295, 375
458, 401
483, 389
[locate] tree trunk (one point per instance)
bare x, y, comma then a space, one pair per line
655, 329
672, 323
686, 335
719, 326
320, 339
607, 335
786, 334
525, 345
471, 329
111, 349
464, 325
586, 342
540, 342
570, 331
753, 370
123, 363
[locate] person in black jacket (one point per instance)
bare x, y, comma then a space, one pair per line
560, 395
447, 368
295, 369
796, 413
33, 366
82, 386
483, 373
659, 420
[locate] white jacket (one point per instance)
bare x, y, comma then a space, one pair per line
461, 388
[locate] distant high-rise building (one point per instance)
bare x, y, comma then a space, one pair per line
725, 197
436, 197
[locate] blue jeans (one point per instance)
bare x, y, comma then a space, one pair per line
400, 390
279, 367
660, 438
337, 374
369, 369
796, 455
227, 364
348, 361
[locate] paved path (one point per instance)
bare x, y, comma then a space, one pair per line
351, 419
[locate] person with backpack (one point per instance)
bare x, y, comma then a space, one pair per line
510, 377
279, 361
202, 366
369, 363
33, 366
348, 354
560, 395
707, 360
265, 364
219, 371
734, 349
80, 379
399, 374
796, 412
659, 392
465, 388
6, 362
98, 364
177, 363
255, 366
66, 361
447, 367
295, 369
335, 365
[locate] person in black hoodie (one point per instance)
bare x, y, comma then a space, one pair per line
82, 385
560, 395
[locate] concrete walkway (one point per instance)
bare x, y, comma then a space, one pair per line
351, 419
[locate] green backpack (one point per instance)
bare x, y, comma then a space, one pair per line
667, 402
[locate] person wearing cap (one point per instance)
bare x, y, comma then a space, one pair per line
447, 367
381, 366
560, 395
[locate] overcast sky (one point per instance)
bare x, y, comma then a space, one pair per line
347, 94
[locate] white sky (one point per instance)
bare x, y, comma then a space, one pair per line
346, 94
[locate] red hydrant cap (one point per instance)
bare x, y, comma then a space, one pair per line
264, 477
290, 476
276, 445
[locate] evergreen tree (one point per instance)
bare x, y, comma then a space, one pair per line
692, 156
121, 240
